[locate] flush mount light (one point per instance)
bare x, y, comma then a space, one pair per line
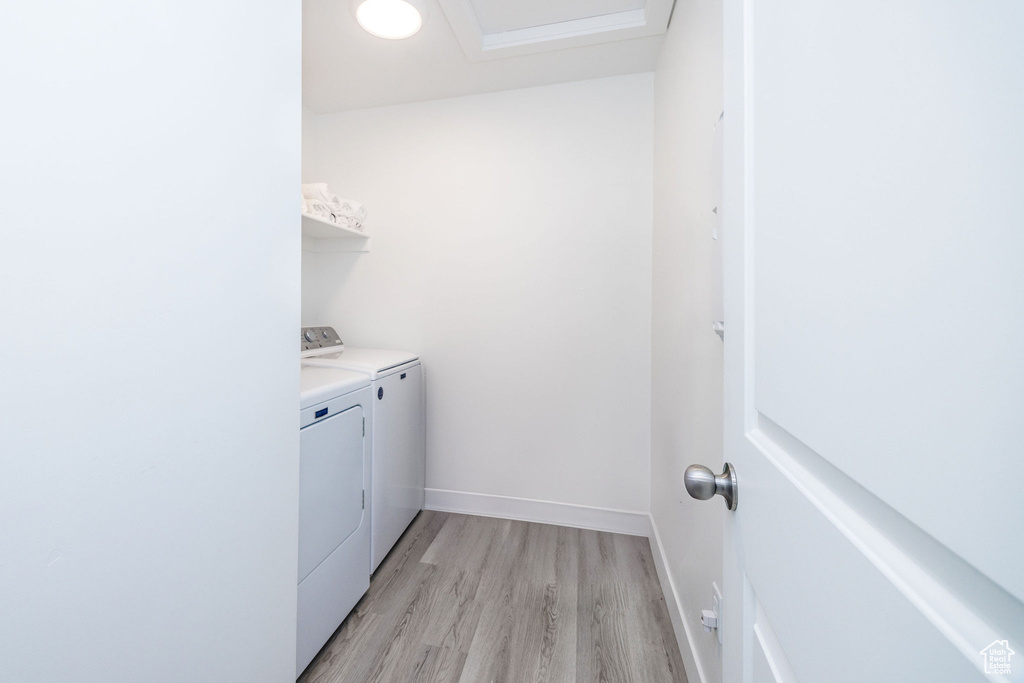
392, 19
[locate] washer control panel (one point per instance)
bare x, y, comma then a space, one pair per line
319, 338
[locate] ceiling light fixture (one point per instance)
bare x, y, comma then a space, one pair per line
392, 19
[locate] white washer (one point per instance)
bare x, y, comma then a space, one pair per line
334, 530
398, 435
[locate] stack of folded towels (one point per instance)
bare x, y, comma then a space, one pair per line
320, 202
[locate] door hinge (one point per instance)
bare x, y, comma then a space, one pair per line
364, 499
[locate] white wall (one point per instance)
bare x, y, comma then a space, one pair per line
686, 354
308, 143
511, 241
149, 476
309, 148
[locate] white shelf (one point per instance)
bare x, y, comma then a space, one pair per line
324, 236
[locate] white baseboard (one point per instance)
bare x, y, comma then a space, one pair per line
545, 512
680, 623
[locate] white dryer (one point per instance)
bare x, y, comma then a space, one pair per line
335, 412
398, 450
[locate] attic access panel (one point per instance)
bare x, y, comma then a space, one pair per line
502, 17
495, 29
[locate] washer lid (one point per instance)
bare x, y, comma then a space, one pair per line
373, 361
319, 384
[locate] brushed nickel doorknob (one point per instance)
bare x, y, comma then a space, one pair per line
703, 484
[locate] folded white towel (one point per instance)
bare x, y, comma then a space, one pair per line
320, 209
350, 209
316, 191
349, 222
305, 208
339, 208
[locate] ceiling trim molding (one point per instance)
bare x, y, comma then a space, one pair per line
479, 46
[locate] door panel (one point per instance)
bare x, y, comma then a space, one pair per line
872, 239
829, 595
889, 288
769, 660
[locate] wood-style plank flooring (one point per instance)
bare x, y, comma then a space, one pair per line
476, 599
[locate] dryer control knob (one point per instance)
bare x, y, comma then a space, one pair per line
309, 336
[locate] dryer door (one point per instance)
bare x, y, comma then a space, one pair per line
330, 485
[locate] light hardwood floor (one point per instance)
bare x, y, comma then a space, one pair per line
476, 599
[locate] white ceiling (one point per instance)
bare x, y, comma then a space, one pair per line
474, 46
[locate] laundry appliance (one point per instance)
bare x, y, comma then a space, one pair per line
335, 415
398, 446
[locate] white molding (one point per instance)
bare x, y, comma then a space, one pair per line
633, 19
680, 623
633, 523
479, 46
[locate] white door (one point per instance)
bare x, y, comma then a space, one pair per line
874, 284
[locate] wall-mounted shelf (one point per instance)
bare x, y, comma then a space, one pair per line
323, 236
